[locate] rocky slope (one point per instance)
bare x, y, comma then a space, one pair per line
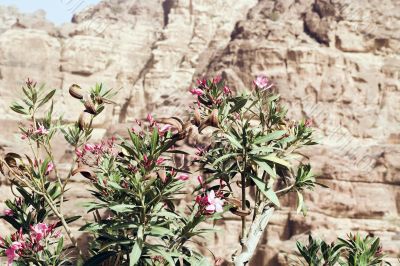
336, 62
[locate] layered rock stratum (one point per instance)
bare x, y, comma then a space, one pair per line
334, 61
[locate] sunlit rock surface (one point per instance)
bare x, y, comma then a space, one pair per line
336, 62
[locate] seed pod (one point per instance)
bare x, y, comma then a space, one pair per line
212, 120
90, 108
10, 159
84, 120
173, 121
86, 172
196, 118
241, 212
236, 203
102, 100
76, 91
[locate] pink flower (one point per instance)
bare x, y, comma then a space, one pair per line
164, 129
40, 231
18, 201
57, 234
183, 177
11, 252
41, 130
308, 123
214, 204
89, 147
218, 261
146, 162
217, 79
227, 90
150, 119
200, 179
196, 91
78, 153
202, 82
160, 161
8, 212
50, 167
263, 83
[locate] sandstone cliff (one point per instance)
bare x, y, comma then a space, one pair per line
336, 62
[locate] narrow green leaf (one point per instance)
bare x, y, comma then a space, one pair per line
264, 166
269, 193
154, 139
275, 159
60, 246
269, 137
18, 110
239, 103
123, 207
233, 141
136, 252
160, 231
47, 98
224, 157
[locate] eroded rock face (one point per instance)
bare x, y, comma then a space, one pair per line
336, 62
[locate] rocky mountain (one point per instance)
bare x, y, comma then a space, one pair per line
334, 61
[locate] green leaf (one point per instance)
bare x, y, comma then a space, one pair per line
47, 98
269, 137
123, 207
233, 141
18, 109
60, 246
264, 166
136, 252
154, 139
223, 157
275, 159
264, 149
269, 193
160, 231
239, 103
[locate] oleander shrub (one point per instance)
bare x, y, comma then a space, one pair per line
355, 250
138, 183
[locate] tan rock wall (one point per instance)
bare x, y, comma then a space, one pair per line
336, 62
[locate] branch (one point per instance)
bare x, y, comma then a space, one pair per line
256, 231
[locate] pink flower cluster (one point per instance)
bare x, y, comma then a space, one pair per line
13, 252
8, 212
96, 151
162, 130
34, 241
210, 203
262, 83
203, 89
49, 167
40, 131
